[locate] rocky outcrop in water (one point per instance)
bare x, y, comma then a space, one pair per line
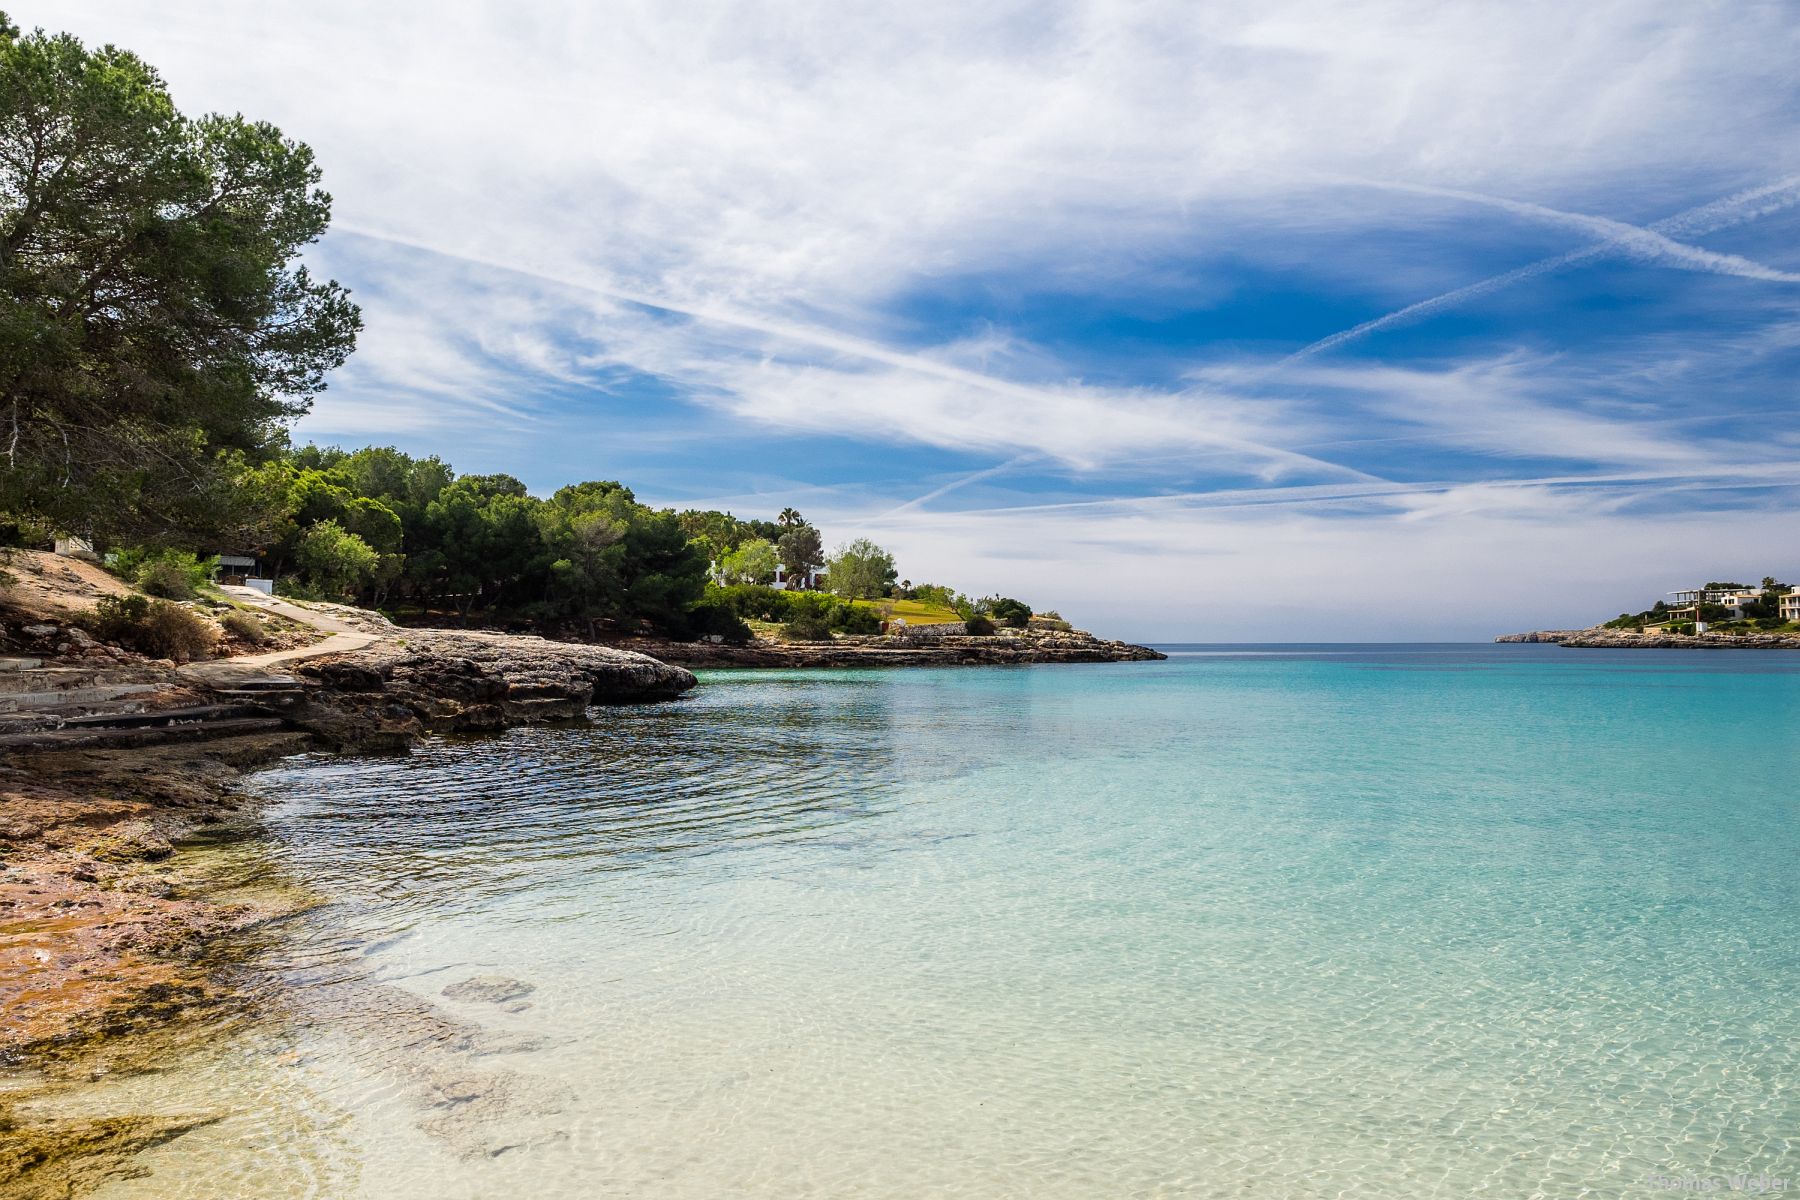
430, 680
919, 649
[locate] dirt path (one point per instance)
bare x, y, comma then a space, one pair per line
343, 637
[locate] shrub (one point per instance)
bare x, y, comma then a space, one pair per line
820, 605
244, 627
978, 626
807, 628
753, 601
1008, 611
854, 619
171, 574
717, 620
154, 627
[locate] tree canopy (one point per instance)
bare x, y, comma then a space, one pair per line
861, 570
753, 562
156, 334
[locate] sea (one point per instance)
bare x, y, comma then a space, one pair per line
1303, 921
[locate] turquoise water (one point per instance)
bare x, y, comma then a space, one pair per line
1507, 921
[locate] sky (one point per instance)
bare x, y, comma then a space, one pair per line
1290, 321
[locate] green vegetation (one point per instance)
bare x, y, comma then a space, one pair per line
756, 561
861, 570
155, 330
913, 612
171, 574
158, 336
338, 562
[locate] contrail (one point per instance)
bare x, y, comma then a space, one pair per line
1648, 243
1737, 209
964, 481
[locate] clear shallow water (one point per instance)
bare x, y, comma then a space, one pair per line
1292, 922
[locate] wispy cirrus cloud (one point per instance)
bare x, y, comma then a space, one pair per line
947, 267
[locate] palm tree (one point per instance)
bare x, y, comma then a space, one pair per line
790, 518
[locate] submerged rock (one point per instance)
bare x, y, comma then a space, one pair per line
489, 989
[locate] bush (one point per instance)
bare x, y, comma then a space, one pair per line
807, 628
1007, 611
717, 620
753, 602
154, 627
854, 619
171, 574
978, 626
244, 627
820, 605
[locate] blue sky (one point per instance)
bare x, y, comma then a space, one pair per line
1278, 321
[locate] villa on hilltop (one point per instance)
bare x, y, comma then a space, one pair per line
1728, 602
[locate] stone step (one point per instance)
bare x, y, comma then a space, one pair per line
10, 665
51, 679
267, 683
167, 716
139, 736
267, 699
46, 679
73, 697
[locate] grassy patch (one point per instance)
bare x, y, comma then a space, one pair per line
914, 612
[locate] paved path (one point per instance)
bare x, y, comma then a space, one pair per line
343, 637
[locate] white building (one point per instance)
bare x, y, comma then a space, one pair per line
1732, 600
812, 581
1790, 605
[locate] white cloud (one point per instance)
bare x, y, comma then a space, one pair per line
732, 199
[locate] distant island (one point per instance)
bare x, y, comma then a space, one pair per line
1717, 614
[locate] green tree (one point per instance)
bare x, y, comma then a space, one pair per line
481, 539
334, 560
801, 550
861, 570
375, 523
584, 528
155, 332
753, 562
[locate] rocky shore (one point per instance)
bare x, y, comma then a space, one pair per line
441, 681
1601, 638
918, 649
94, 933
113, 933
